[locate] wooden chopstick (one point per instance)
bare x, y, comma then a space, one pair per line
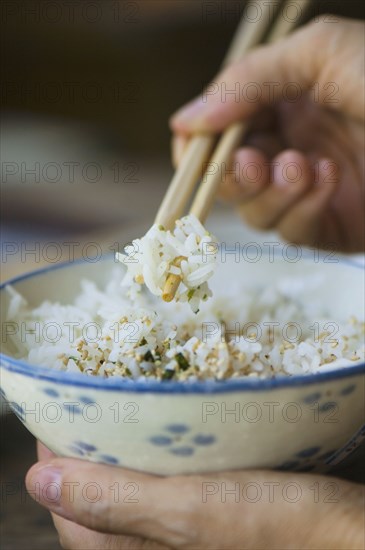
229, 140
234, 134
248, 35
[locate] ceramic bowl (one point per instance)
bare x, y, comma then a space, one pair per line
295, 423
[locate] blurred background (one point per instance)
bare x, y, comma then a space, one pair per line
87, 89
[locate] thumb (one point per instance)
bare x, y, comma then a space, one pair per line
282, 70
106, 499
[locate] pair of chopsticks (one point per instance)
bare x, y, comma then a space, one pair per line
248, 35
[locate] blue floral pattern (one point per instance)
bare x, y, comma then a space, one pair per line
327, 407
182, 451
84, 449
161, 440
347, 390
109, 459
180, 442
72, 408
51, 392
309, 459
306, 453
312, 398
84, 399
351, 446
316, 397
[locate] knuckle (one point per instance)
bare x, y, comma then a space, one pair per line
319, 26
97, 515
316, 33
324, 29
182, 527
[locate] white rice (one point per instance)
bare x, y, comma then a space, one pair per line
152, 258
139, 336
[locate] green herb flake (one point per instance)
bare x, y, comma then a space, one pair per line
143, 342
191, 294
161, 228
182, 361
148, 356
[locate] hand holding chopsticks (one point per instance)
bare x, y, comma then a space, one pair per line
248, 36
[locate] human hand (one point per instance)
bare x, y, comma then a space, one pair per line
301, 170
96, 508
75, 536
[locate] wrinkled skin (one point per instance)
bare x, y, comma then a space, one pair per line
134, 510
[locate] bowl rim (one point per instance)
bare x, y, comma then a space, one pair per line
167, 387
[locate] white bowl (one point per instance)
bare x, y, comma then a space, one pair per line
299, 423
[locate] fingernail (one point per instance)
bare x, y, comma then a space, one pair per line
188, 113
289, 177
45, 485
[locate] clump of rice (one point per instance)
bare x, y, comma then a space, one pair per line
189, 251
108, 333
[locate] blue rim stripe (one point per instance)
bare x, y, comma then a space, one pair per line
154, 386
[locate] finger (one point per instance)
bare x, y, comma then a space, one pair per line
109, 499
304, 223
174, 513
251, 174
43, 452
291, 177
76, 536
226, 100
72, 535
263, 134
178, 146
270, 143
310, 55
